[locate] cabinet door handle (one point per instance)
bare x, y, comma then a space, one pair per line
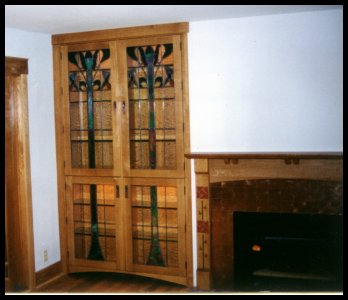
124, 107
115, 106
117, 191
126, 191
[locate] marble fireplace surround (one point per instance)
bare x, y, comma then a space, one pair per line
214, 170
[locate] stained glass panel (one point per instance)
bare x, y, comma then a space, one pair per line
94, 221
151, 94
90, 109
155, 225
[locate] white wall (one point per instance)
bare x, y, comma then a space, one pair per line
37, 48
268, 83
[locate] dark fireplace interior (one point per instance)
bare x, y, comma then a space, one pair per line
289, 237
287, 252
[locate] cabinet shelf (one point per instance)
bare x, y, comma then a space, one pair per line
76, 97
147, 140
144, 67
161, 240
147, 204
163, 235
136, 100
149, 207
102, 230
86, 141
85, 101
88, 204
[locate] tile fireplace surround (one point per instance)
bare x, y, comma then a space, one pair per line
214, 170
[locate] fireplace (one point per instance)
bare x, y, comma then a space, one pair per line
298, 185
287, 252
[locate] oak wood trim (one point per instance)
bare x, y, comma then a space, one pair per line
187, 162
19, 223
204, 279
120, 33
47, 274
59, 117
265, 155
170, 278
16, 65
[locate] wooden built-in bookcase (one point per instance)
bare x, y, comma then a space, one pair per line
122, 128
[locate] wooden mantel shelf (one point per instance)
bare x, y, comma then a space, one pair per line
264, 155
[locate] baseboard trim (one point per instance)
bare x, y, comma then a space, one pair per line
51, 272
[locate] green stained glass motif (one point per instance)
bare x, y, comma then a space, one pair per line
152, 143
151, 95
155, 225
90, 109
91, 123
94, 221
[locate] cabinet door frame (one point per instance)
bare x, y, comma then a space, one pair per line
75, 263
179, 106
181, 269
116, 113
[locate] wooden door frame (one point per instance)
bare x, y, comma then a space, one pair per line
19, 223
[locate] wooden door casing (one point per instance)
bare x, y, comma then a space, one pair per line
18, 207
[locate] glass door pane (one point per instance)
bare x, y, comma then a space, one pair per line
152, 107
157, 226
154, 93
94, 221
90, 108
94, 218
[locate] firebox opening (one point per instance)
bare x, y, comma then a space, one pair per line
287, 252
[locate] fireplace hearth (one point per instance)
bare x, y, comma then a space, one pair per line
287, 252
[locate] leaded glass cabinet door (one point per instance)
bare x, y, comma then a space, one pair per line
95, 235
151, 86
156, 226
92, 134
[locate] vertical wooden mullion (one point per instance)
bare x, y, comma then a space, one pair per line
65, 107
116, 112
178, 105
70, 220
61, 145
123, 103
127, 221
120, 246
187, 162
181, 224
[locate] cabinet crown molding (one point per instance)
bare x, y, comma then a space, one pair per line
120, 33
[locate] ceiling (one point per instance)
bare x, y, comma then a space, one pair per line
54, 19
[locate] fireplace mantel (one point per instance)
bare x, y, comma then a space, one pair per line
265, 155
223, 167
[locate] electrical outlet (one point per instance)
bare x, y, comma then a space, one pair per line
45, 255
